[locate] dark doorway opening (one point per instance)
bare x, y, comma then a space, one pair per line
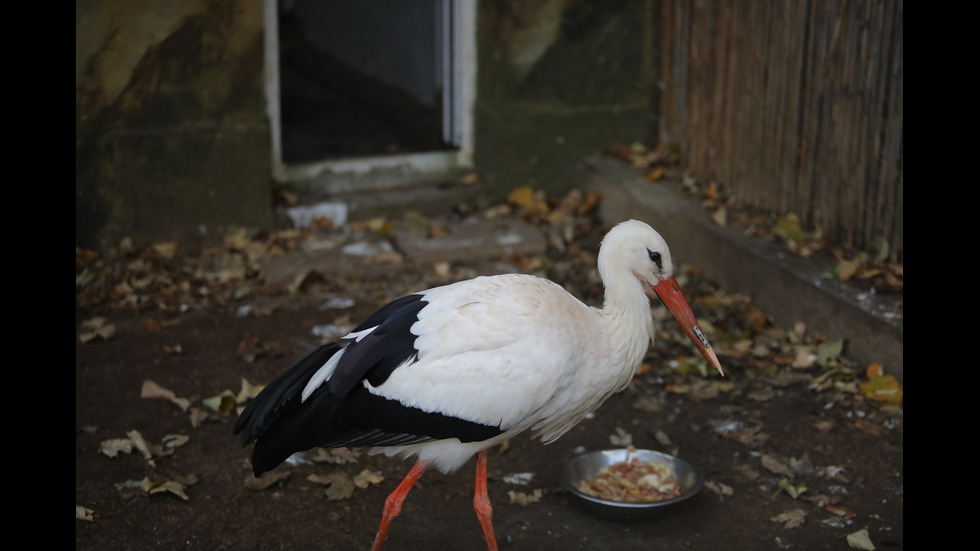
360, 79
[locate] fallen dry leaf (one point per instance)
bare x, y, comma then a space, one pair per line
151, 389
226, 401
860, 540
166, 249
98, 328
790, 519
830, 353
114, 446
784, 378
339, 485
248, 391
172, 441
842, 512
720, 217
520, 196
133, 488
135, 441
154, 325
654, 175
821, 500
139, 443
788, 228
384, 258
748, 436
774, 465
835, 473
763, 394
804, 357
747, 472
708, 389
648, 404
366, 477
824, 426
84, 513
621, 438
519, 479
589, 204
174, 486
883, 389
198, 416
266, 480
723, 490
521, 498
802, 466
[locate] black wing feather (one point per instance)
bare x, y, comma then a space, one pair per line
342, 412
282, 394
378, 354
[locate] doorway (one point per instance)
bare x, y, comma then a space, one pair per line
371, 83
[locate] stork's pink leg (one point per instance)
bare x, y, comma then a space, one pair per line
481, 501
393, 505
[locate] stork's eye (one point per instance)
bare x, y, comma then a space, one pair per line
655, 258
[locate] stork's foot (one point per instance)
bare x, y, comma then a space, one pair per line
393, 505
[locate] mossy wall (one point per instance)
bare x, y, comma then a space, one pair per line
558, 81
171, 135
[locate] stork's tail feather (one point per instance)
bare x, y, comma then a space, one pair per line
282, 394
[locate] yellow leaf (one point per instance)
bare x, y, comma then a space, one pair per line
793, 491
520, 196
788, 228
846, 269
654, 175
883, 389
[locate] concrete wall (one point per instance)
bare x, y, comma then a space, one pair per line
559, 80
170, 127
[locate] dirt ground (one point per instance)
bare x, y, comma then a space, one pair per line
767, 422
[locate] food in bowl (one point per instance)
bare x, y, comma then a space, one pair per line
633, 480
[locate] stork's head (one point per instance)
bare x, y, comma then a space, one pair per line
636, 248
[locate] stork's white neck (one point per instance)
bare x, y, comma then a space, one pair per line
626, 311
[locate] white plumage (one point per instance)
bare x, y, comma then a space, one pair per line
446, 373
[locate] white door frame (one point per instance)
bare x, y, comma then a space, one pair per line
459, 93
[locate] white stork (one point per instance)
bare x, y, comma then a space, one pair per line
447, 373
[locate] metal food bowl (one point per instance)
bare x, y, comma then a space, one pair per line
587, 465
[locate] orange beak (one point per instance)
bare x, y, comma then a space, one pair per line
672, 297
